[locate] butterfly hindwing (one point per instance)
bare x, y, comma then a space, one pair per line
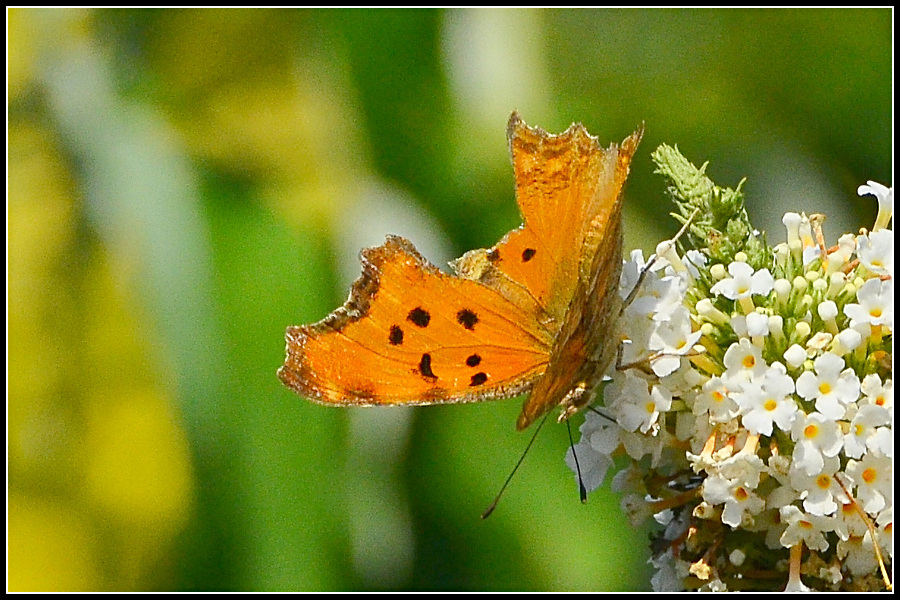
410, 334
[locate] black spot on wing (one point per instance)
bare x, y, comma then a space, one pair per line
395, 337
467, 318
419, 317
425, 366
478, 379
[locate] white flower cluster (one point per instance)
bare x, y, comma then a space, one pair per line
751, 412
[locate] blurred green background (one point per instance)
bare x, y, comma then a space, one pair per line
184, 184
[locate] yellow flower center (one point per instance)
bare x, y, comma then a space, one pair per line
869, 475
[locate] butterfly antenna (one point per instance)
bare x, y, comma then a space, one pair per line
582, 490
652, 261
598, 413
493, 505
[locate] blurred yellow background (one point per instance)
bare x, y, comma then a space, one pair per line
184, 184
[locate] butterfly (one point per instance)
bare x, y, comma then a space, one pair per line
536, 312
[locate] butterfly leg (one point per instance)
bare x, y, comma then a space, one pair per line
642, 363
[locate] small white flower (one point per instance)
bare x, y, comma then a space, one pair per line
811, 253
694, 259
804, 528
820, 491
599, 439
807, 241
739, 501
884, 193
885, 197
872, 477
744, 282
857, 555
738, 323
744, 469
743, 361
631, 272
876, 251
876, 304
783, 289
816, 437
847, 521
831, 388
593, 465
877, 393
882, 441
715, 399
862, 428
660, 401
767, 400
672, 340
635, 405
657, 296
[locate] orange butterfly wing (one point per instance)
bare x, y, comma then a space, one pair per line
410, 334
531, 312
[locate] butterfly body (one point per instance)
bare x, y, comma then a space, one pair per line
535, 312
